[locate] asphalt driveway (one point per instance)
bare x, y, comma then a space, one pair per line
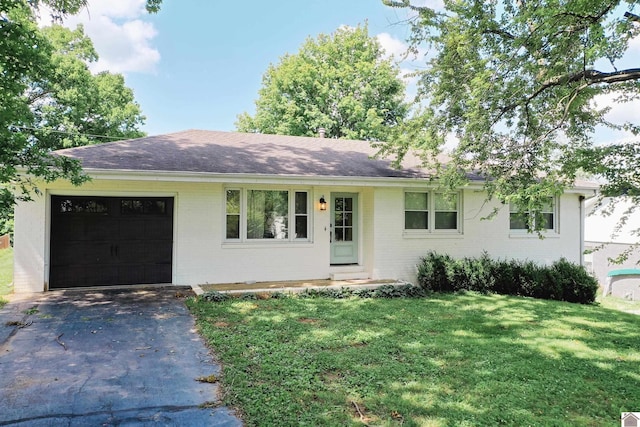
106, 358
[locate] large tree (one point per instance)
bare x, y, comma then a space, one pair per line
37, 72
340, 82
75, 107
521, 84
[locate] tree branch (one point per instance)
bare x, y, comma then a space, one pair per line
37, 96
590, 77
407, 4
632, 16
500, 32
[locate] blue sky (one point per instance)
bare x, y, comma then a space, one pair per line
198, 64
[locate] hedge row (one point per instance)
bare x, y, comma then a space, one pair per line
563, 281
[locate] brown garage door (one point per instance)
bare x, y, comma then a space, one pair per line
97, 241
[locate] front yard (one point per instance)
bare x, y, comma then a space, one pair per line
446, 360
6, 273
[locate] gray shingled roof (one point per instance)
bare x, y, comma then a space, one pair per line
241, 153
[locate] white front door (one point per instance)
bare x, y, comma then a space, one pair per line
344, 228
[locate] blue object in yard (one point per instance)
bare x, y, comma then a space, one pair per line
627, 281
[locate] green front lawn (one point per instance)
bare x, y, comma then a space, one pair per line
620, 304
447, 360
6, 273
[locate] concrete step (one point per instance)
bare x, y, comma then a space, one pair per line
349, 275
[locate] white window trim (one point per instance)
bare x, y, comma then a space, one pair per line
551, 233
432, 232
244, 190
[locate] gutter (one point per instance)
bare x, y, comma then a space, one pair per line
240, 178
582, 202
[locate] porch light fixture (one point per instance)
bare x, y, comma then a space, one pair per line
323, 204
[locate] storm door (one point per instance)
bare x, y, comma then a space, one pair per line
344, 228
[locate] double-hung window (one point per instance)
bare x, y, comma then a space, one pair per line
233, 214
520, 220
445, 211
266, 215
416, 211
431, 211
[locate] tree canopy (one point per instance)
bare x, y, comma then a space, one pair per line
75, 107
340, 82
49, 99
520, 85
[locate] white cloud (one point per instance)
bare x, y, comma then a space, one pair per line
409, 63
392, 46
434, 4
118, 9
123, 47
451, 141
634, 45
620, 112
120, 35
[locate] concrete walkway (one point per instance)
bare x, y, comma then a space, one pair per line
106, 358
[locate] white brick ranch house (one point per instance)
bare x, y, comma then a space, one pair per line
200, 207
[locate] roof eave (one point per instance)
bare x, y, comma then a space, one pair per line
180, 176
243, 178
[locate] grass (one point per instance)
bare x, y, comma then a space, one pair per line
6, 273
620, 304
448, 360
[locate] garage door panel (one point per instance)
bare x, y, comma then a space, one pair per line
132, 229
80, 253
94, 253
145, 251
68, 276
110, 241
100, 229
158, 251
159, 229
103, 275
143, 273
155, 272
84, 229
131, 251
66, 229
132, 273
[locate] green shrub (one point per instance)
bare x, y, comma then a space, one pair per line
432, 272
279, 295
363, 293
215, 296
393, 291
561, 281
576, 284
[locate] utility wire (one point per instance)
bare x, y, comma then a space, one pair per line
113, 138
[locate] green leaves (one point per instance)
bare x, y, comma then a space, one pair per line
74, 107
515, 82
340, 82
49, 99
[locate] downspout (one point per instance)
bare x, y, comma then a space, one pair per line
581, 200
